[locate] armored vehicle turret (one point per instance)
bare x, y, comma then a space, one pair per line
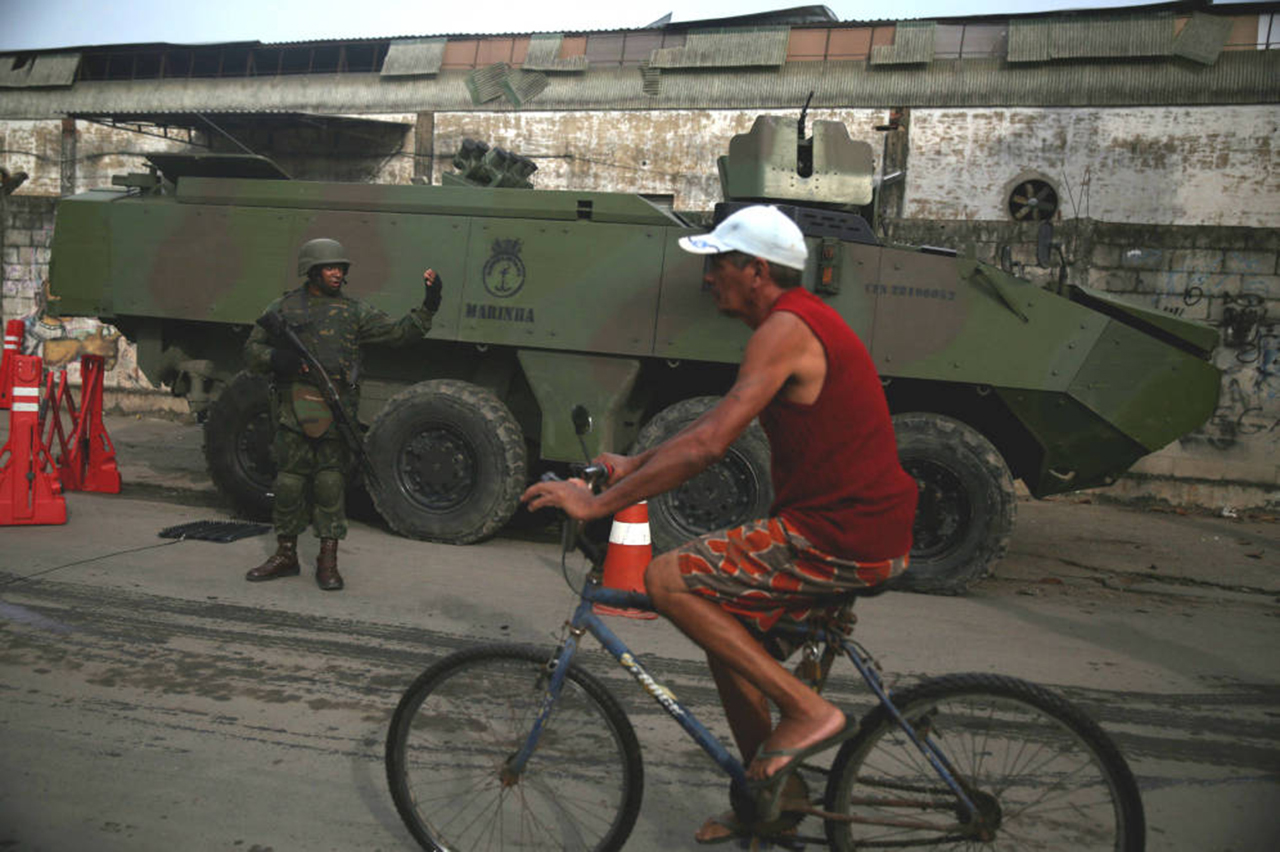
561, 298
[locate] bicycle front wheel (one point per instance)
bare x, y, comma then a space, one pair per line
462, 720
1042, 774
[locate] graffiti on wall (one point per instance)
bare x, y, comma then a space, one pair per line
1243, 310
1249, 406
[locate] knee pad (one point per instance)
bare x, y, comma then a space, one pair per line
328, 490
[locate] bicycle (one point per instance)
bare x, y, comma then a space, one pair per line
506, 746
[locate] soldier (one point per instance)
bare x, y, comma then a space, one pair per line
310, 454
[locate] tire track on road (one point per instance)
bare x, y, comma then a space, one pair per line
164, 649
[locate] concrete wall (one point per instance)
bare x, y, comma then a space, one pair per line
1217, 165
668, 152
27, 233
97, 153
1228, 277
27, 228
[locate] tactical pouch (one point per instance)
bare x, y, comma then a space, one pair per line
313, 413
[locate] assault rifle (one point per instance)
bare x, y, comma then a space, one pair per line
278, 327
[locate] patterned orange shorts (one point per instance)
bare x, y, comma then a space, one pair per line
765, 572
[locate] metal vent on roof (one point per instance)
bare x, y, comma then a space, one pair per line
652, 80
414, 57
485, 84
737, 48
1202, 39
33, 70
520, 87
544, 55
492, 82
912, 45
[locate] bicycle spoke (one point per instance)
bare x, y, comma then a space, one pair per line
448, 760
1040, 775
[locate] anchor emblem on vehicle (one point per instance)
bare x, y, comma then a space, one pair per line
503, 272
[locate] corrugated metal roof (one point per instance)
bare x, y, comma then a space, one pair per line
1090, 37
796, 15
485, 84
544, 55
520, 87
1202, 39
1238, 77
912, 43
33, 71
413, 57
1182, 6
733, 49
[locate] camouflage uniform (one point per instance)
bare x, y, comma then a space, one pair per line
333, 328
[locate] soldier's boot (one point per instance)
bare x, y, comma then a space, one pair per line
283, 563
327, 576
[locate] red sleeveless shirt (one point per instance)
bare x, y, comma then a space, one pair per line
835, 471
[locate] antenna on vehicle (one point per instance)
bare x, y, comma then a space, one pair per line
582, 424
804, 150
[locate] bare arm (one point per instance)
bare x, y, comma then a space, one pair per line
779, 351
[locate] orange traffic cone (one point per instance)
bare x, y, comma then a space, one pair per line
629, 553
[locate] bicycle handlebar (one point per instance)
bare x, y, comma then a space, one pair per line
595, 475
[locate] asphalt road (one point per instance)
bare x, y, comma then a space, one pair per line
150, 699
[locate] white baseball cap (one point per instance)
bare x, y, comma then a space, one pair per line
761, 230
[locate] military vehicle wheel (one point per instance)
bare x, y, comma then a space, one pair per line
967, 503
451, 459
733, 490
237, 444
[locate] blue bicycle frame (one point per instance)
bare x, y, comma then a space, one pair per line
586, 621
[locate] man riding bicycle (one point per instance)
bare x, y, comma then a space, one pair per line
843, 507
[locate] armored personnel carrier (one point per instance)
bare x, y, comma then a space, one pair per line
561, 298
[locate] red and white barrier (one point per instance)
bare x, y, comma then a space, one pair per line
30, 492
14, 331
86, 457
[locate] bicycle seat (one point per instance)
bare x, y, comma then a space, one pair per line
863, 592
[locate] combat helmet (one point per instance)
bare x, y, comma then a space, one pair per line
320, 252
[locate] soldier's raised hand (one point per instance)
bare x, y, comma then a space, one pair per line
433, 289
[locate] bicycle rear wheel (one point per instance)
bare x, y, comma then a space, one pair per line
1042, 774
463, 718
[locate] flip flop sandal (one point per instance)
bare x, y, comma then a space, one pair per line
768, 792
727, 820
742, 832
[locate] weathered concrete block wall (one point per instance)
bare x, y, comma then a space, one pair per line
27, 230
57, 162
1213, 165
1228, 277
27, 233
654, 152
57, 166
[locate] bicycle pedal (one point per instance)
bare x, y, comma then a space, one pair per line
793, 803
760, 843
